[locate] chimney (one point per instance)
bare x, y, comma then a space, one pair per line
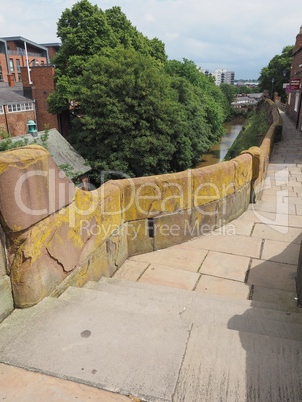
11, 81
299, 40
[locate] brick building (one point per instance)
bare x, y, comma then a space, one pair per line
15, 111
14, 52
294, 108
38, 86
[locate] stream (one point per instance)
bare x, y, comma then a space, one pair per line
218, 151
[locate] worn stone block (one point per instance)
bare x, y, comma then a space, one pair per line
140, 237
92, 269
233, 206
172, 229
213, 183
243, 170
6, 298
117, 249
205, 219
147, 197
32, 187
3, 258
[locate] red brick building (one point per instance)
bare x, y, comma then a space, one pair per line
294, 108
14, 53
41, 86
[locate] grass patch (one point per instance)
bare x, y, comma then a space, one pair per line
251, 135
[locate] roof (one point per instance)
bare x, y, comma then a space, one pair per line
10, 95
20, 38
256, 96
61, 151
57, 44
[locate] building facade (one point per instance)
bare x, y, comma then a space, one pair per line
221, 76
14, 53
294, 107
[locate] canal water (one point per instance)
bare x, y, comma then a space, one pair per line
217, 153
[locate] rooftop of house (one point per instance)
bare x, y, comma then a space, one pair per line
62, 152
9, 95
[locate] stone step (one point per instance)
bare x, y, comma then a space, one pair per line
168, 290
129, 352
148, 289
198, 309
101, 339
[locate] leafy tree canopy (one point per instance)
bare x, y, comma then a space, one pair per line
86, 30
278, 69
136, 118
137, 112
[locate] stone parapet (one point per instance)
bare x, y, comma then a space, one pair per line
80, 236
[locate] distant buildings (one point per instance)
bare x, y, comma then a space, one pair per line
221, 76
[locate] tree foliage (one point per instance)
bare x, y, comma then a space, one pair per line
137, 112
278, 69
136, 118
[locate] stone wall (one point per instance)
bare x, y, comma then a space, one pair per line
58, 235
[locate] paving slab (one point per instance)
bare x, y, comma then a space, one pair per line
225, 365
182, 256
281, 208
277, 232
168, 276
223, 287
239, 245
227, 266
131, 270
278, 251
19, 385
271, 274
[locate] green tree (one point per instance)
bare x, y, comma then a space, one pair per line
137, 119
85, 30
277, 73
215, 103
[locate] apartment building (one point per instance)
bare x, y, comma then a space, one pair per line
14, 53
221, 76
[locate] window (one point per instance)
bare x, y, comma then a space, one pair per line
19, 107
18, 65
11, 64
42, 62
1, 75
1, 109
19, 77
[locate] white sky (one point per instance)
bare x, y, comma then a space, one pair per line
238, 35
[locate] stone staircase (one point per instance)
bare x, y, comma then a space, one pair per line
160, 344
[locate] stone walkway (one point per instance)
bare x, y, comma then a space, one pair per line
254, 257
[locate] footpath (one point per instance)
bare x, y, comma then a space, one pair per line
212, 319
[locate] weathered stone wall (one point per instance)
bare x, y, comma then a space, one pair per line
57, 235
6, 299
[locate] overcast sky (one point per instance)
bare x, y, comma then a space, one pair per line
237, 35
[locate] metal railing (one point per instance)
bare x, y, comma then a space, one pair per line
22, 53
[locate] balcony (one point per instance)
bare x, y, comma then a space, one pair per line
22, 53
